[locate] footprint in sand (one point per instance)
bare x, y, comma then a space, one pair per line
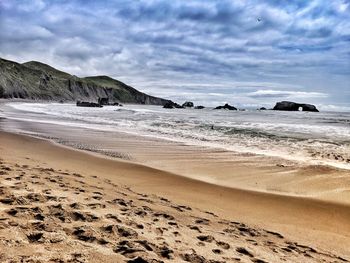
208, 239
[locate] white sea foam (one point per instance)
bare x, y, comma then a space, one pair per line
311, 137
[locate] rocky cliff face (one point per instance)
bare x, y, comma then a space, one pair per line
35, 80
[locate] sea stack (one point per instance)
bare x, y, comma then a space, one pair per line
225, 107
188, 104
293, 106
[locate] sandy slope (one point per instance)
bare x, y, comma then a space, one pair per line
63, 205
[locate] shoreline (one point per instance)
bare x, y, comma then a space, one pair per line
215, 166
115, 156
330, 231
300, 159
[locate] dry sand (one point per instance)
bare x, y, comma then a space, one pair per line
62, 205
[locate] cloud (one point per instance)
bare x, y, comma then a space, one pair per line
286, 94
197, 48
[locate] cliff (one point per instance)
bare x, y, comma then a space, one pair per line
38, 81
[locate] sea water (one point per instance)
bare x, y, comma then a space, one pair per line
320, 138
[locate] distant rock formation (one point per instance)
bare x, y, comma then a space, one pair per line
38, 81
103, 101
172, 105
262, 108
199, 107
88, 104
168, 105
225, 107
188, 104
292, 106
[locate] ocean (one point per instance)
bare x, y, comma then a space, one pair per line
316, 138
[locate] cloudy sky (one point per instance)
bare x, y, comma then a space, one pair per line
245, 52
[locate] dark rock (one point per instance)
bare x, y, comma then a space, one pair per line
199, 107
88, 104
188, 104
292, 106
225, 107
262, 108
2, 91
177, 106
171, 105
168, 105
103, 101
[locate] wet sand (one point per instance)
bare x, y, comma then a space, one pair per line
63, 204
211, 165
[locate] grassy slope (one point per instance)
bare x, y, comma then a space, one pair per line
36, 80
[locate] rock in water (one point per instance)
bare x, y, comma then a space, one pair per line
225, 107
188, 104
292, 106
168, 105
199, 107
88, 104
103, 101
171, 105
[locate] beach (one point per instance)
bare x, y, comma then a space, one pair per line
133, 198
174, 131
59, 203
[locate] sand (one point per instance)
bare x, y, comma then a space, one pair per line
213, 165
63, 205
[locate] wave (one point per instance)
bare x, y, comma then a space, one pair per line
316, 138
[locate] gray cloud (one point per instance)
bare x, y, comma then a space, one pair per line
192, 49
286, 94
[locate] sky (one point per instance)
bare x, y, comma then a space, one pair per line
244, 52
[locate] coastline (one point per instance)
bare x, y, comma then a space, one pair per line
320, 139
212, 165
305, 220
